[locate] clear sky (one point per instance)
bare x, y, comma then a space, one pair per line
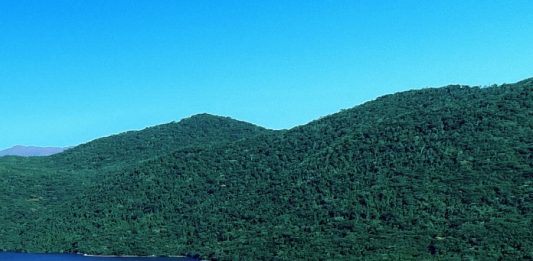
72, 70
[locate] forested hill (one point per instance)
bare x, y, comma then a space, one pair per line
35, 187
126, 148
441, 173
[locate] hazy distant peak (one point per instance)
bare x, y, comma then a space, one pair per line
28, 151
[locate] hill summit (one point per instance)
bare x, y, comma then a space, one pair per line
130, 147
442, 173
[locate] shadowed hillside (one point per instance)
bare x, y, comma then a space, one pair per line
434, 173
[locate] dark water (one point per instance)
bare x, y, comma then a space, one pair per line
70, 257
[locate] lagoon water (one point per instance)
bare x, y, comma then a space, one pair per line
71, 257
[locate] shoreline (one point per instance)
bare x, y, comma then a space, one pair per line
128, 256
91, 255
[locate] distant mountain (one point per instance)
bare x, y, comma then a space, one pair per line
438, 173
28, 151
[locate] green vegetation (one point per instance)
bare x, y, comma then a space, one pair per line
132, 147
443, 173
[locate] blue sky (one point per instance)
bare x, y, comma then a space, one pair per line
72, 71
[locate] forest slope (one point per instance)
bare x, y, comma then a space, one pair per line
435, 173
32, 188
128, 148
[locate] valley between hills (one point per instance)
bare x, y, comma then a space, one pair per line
437, 173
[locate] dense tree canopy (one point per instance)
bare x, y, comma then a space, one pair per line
444, 172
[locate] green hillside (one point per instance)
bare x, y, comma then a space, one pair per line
37, 187
441, 173
128, 148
